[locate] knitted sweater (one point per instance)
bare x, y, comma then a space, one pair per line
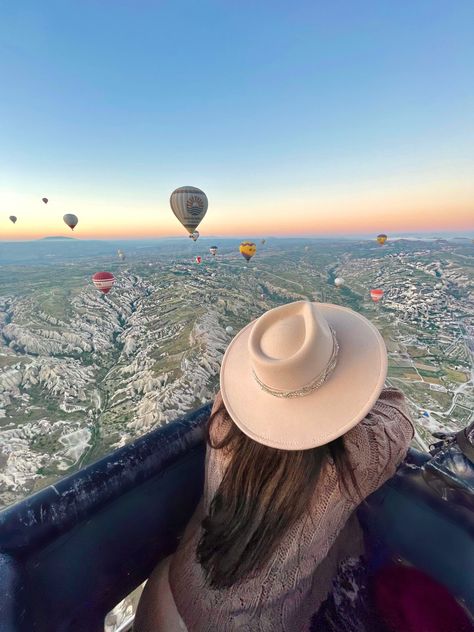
283, 596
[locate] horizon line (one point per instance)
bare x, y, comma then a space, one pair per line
469, 234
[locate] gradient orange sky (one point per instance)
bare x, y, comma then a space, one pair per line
295, 118
395, 207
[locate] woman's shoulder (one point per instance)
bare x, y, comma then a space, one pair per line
379, 443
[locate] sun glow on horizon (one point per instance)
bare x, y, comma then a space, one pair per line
360, 210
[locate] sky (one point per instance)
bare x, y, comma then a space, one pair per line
296, 118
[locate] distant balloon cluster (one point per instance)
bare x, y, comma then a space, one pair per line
190, 204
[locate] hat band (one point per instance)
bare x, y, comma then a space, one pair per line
315, 383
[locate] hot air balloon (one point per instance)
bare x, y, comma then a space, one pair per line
306, 248
189, 204
13, 218
45, 200
213, 250
103, 281
339, 282
194, 236
263, 241
70, 220
376, 295
247, 249
229, 329
121, 255
382, 239
198, 259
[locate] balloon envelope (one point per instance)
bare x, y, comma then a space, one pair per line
45, 200
189, 204
247, 249
70, 220
195, 235
339, 281
263, 241
103, 281
198, 259
213, 250
13, 218
376, 294
382, 239
229, 329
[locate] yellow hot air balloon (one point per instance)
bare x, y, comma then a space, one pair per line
247, 249
189, 204
382, 239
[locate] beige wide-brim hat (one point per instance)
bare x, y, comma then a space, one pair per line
303, 374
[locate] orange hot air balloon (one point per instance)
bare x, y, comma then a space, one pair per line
247, 249
382, 239
198, 259
376, 294
103, 281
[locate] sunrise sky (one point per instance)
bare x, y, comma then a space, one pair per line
298, 118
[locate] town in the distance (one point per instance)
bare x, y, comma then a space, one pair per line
83, 372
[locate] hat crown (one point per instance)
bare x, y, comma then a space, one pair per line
284, 337
290, 346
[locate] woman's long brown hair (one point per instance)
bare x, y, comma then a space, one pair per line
262, 494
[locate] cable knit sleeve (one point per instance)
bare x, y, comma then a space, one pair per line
379, 443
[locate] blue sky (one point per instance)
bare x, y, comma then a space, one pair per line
111, 102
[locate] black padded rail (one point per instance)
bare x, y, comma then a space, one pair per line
72, 551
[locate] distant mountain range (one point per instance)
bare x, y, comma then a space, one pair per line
55, 237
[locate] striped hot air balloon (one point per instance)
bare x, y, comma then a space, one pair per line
376, 294
71, 220
198, 259
103, 281
189, 204
247, 249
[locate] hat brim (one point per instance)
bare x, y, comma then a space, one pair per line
301, 423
